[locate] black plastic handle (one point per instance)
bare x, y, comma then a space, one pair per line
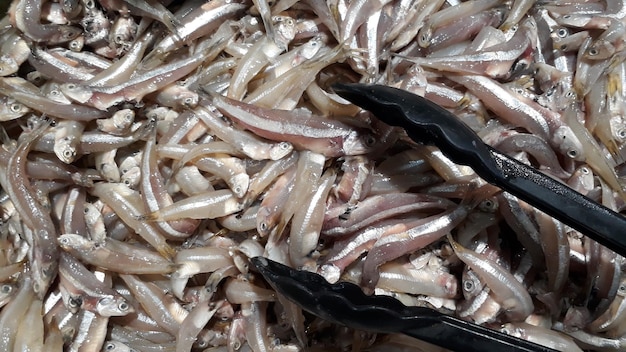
427, 123
346, 304
563, 203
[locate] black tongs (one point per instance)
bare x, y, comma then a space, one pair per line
345, 303
427, 123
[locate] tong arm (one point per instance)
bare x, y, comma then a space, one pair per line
345, 303
427, 123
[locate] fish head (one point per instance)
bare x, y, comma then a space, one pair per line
600, 50
43, 273
110, 306
359, 142
67, 33
72, 241
76, 92
618, 128
8, 65
280, 150
312, 47
73, 303
568, 144
470, 284
65, 150
284, 31
77, 43
116, 346
12, 110
7, 290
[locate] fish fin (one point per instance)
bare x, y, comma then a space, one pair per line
153, 216
166, 251
6, 141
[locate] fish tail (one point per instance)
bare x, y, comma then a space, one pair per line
455, 245
154, 216
166, 251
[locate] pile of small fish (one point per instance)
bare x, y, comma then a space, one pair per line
150, 148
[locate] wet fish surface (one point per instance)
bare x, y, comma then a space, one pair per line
152, 148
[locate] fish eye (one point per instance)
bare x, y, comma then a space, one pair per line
109, 346
71, 34
123, 306
572, 153
468, 285
16, 107
369, 140
584, 170
622, 288
562, 32
593, 51
488, 205
74, 302
6, 288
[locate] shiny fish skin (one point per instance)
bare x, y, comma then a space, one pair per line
112, 257
145, 138
331, 138
154, 192
17, 308
108, 302
508, 291
127, 204
27, 94
26, 17
393, 246
249, 144
196, 24
44, 252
